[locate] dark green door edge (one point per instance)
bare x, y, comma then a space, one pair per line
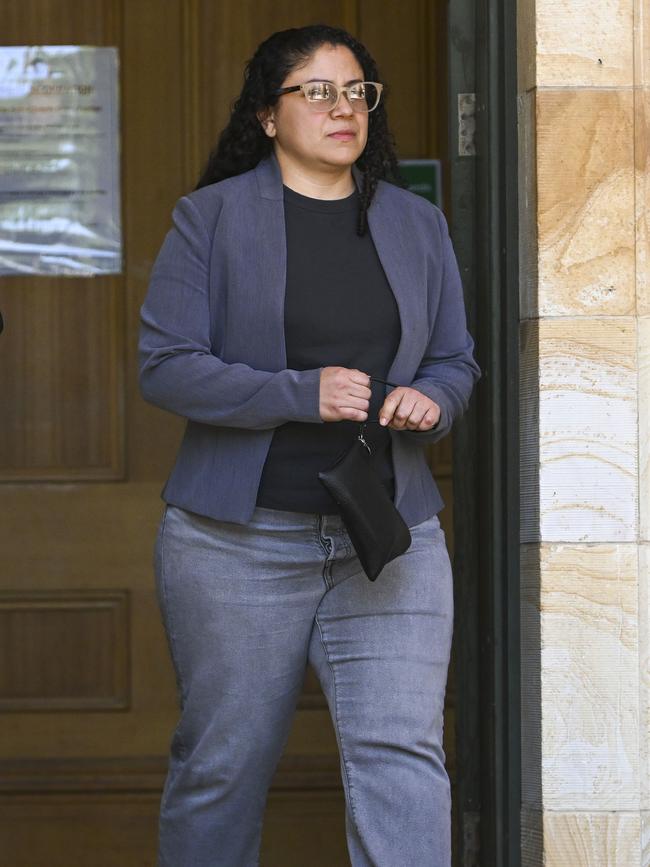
484, 224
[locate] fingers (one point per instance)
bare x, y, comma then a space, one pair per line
359, 393
353, 381
348, 412
398, 411
430, 419
345, 394
354, 409
358, 377
355, 396
408, 409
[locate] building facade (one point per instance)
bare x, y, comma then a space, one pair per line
584, 87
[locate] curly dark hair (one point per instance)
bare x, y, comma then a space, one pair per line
243, 142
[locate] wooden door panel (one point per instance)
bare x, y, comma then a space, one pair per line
154, 175
301, 828
61, 378
92, 539
61, 22
77, 658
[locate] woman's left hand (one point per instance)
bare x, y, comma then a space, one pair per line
408, 409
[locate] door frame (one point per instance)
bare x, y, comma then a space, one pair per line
482, 45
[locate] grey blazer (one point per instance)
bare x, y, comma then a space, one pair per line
212, 345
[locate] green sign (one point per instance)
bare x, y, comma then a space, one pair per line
423, 177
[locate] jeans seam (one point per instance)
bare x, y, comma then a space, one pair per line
338, 728
170, 623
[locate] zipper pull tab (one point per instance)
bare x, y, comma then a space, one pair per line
362, 439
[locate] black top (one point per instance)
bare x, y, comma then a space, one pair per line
339, 311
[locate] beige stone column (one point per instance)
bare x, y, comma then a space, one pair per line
584, 68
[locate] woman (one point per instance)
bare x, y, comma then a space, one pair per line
292, 273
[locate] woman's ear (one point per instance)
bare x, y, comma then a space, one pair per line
267, 120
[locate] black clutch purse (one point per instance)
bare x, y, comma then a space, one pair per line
376, 529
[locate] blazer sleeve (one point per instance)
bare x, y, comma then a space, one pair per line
178, 370
448, 371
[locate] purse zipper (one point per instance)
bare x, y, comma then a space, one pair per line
362, 439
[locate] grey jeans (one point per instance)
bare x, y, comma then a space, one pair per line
246, 608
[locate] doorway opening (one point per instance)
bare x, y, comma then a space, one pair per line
179, 73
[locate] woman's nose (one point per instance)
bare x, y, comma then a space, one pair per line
343, 108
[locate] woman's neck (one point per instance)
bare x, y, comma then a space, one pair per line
335, 183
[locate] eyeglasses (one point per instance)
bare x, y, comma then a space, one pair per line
363, 96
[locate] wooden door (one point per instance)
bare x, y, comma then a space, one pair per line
86, 686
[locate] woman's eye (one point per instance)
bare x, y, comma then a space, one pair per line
358, 91
319, 91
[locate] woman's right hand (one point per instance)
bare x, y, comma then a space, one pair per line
344, 394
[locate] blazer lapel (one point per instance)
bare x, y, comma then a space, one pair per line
270, 257
404, 270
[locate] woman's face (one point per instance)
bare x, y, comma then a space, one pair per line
317, 141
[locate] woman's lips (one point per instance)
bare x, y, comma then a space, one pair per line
342, 136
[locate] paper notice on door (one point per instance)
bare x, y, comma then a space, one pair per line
59, 161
